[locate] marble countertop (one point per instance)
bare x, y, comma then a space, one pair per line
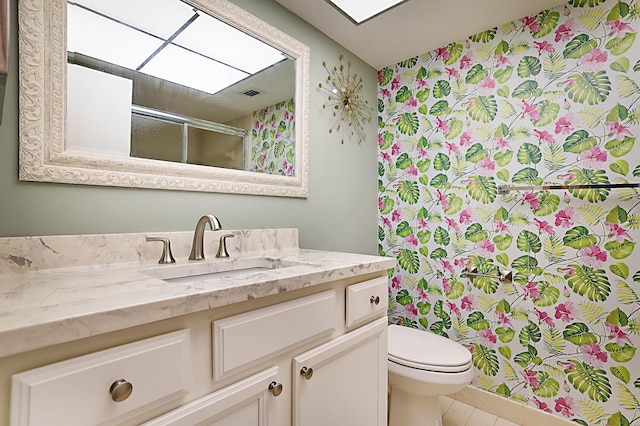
41, 306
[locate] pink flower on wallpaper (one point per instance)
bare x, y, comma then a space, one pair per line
594, 60
396, 215
544, 317
565, 31
565, 124
593, 256
593, 355
421, 82
530, 110
395, 83
616, 231
451, 147
485, 247
412, 240
454, 308
386, 157
530, 290
486, 85
423, 295
412, 170
452, 72
487, 337
532, 199
502, 61
502, 144
564, 218
423, 223
532, 23
544, 227
395, 282
395, 149
466, 62
386, 93
616, 129
503, 319
617, 334
593, 158
544, 136
442, 53
411, 104
443, 126
467, 303
486, 166
565, 311
465, 138
465, 216
423, 153
386, 222
411, 311
451, 224
501, 228
442, 199
530, 379
445, 285
544, 46
446, 266
565, 405
542, 405
616, 27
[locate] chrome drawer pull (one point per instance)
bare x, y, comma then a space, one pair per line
275, 388
375, 300
120, 390
306, 372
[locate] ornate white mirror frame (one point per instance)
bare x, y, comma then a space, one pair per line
42, 114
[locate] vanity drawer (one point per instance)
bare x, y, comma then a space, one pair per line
83, 391
252, 337
366, 300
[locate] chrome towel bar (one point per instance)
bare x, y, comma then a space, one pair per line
505, 189
503, 276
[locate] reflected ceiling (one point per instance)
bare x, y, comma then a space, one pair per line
175, 42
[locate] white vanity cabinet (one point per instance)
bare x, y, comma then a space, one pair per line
309, 357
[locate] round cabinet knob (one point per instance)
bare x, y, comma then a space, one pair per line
275, 388
306, 372
375, 300
120, 390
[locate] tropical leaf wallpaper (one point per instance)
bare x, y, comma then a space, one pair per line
273, 139
550, 98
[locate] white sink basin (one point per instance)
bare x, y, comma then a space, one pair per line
217, 268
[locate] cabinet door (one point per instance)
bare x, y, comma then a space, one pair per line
344, 381
249, 402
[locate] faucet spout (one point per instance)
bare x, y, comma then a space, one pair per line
197, 248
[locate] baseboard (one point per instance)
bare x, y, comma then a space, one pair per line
508, 409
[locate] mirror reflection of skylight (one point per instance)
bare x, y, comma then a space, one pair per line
142, 14
218, 40
101, 38
359, 11
166, 41
183, 67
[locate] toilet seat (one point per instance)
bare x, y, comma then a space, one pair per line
427, 351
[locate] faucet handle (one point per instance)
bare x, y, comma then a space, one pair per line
167, 256
222, 247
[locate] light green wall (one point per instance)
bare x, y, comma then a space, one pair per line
339, 214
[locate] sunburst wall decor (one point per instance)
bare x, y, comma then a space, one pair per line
344, 99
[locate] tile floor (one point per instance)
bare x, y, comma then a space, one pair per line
456, 413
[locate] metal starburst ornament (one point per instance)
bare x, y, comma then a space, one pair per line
344, 99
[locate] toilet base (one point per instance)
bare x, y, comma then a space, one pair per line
406, 409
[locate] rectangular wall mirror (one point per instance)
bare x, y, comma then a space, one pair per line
194, 95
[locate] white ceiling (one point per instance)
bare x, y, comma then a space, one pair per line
414, 27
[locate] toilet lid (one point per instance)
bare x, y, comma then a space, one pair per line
426, 351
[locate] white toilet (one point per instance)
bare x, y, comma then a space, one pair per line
423, 366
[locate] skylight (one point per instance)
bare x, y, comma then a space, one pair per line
359, 11
174, 42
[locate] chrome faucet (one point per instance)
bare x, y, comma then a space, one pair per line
197, 248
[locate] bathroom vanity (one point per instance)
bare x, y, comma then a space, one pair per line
94, 331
